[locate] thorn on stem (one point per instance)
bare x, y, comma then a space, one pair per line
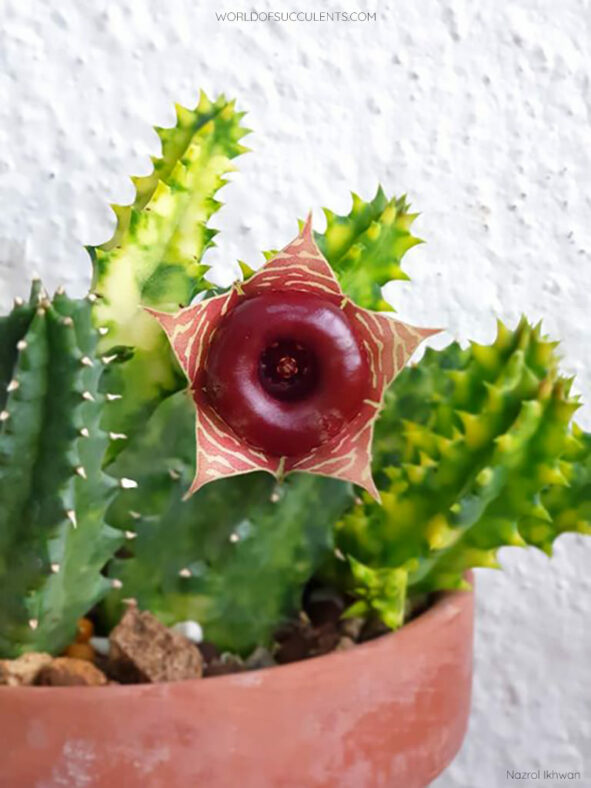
71, 515
127, 484
116, 583
84, 433
185, 572
22, 344
4, 415
86, 361
13, 386
55, 568
33, 623
81, 472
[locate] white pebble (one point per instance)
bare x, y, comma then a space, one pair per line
100, 645
190, 629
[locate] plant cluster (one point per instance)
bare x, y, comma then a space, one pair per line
390, 486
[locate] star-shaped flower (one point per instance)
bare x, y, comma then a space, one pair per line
286, 372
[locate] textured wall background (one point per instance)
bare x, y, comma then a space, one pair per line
479, 110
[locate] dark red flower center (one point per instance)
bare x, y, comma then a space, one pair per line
286, 371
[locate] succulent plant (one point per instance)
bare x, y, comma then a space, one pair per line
396, 485
155, 256
474, 451
54, 540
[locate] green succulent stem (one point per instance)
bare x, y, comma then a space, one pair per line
155, 257
53, 537
474, 450
365, 247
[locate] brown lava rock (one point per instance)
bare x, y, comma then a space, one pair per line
70, 672
209, 651
295, 641
324, 606
300, 639
23, 671
142, 649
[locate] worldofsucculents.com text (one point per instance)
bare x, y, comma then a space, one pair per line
296, 16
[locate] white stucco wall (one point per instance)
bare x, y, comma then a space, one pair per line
480, 111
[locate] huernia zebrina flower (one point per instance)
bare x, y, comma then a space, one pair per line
286, 372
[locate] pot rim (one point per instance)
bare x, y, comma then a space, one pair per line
443, 607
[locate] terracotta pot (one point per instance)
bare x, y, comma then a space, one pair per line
391, 712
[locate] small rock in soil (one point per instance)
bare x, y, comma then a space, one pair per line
84, 630
299, 640
324, 606
209, 651
23, 670
373, 628
327, 637
102, 663
351, 627
142, 649
100, 645
70, 672
295, 641
190, 629
260, 658
80, 651
224, 665
345, 644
